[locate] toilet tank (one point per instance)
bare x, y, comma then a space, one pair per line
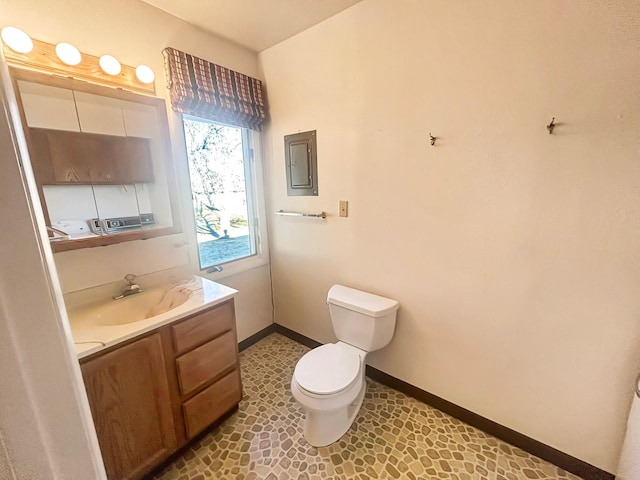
362, 319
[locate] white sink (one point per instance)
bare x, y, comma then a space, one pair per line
104, 322
133, 308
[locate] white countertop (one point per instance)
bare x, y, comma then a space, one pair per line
92, 333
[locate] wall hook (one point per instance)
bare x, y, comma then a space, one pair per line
551, 126
432, 138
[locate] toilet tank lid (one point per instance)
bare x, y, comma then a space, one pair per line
362, 302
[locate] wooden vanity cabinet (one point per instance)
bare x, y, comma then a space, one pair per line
152, 395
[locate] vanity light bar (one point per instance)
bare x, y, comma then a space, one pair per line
43, 58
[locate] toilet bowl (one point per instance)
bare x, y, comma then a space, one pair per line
329, 381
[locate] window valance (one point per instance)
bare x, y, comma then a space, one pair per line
203, 89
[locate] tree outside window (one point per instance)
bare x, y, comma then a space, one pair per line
215, 154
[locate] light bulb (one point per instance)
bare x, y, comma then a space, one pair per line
17, 40
110, 65
68, 54
145, 74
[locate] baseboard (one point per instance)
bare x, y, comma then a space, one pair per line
517, 439
306, 341
256, 337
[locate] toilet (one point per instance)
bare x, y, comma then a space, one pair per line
329, 381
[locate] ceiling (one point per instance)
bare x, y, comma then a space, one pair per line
255, 24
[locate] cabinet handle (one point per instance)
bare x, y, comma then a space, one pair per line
638, 386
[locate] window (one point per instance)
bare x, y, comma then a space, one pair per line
223, 191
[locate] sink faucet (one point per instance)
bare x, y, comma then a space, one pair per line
131, 288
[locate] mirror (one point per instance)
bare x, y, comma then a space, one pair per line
101, 158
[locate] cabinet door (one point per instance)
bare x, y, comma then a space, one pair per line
69, 153
102, 153
139, 166
73, 157
99, 114
40, 155
129, 398
46, 106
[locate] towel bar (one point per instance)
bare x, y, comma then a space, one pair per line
300, 214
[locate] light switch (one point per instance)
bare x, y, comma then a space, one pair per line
344, 208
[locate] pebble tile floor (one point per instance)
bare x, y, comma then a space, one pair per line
394, 436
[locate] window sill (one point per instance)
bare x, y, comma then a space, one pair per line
236, 267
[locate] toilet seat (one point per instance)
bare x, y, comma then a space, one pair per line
328, 369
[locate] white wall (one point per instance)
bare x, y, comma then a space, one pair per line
514, 253
136, 33
253, 300
46, 430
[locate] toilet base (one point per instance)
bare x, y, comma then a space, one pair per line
324, 428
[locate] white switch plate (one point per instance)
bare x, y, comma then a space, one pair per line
344, 208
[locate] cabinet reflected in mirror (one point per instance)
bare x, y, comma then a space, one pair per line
101, 158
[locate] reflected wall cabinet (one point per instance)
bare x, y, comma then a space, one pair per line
301, 162
101, 158
64, 158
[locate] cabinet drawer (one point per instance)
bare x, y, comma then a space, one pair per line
210, 404
206, 362
205, 326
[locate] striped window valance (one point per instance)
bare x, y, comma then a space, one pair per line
203, 89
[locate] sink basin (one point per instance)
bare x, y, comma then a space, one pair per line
98, 322
134, 308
